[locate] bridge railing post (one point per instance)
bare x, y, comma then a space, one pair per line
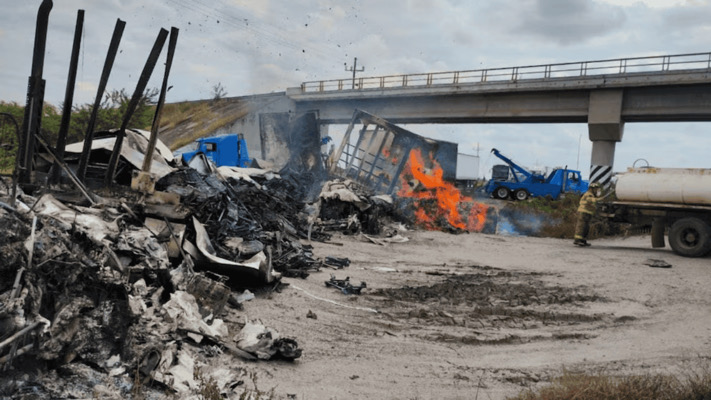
514, 74
623, 66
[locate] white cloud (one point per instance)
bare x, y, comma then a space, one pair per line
649, 3
86, 90
567, 22
259, 8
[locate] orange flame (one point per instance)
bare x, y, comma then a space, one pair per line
438, 199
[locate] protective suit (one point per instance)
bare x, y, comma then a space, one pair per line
586, 210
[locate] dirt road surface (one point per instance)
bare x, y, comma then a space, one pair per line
477, 316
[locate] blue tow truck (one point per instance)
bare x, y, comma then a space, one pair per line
519, 183
225, 150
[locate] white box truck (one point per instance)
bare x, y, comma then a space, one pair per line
467, 170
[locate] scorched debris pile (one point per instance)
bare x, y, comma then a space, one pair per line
104, 288
97, 288
128, 289
126, 286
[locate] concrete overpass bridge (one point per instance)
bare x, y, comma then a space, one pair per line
605, 94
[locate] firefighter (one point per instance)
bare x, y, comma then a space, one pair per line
586, 209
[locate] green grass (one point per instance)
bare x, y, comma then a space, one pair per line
203, 114
561, 216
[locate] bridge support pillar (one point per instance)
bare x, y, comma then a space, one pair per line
605, 129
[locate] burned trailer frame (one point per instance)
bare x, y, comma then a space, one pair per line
32, 120
376, 156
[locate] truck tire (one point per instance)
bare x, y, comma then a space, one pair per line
690, 237
501, 193
521, 194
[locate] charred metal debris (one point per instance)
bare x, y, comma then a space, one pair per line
345, 285
126, 282
114, 276
133, 288
127, 285
117, 260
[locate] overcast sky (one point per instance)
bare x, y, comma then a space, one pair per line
252, 47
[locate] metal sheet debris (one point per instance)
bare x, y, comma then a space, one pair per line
133, 149
133, 278
345, 285
98, 301
266, 343
657, 263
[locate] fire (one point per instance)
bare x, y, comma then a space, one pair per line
437, 200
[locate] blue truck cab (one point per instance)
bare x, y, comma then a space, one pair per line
520, 184
225, 150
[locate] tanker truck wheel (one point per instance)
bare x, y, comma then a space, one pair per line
501, 193
690, 237
521, 194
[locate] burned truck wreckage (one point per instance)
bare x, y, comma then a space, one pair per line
128, 286
118, 283
117, 261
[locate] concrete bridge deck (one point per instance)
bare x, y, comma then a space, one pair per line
663, 88
604, 94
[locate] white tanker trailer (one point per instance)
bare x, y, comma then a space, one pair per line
677, 200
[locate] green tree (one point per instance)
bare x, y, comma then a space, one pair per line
9, 140
111, 113
218, 92
14, 109
109, 116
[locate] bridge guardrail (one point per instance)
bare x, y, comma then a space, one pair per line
618, 66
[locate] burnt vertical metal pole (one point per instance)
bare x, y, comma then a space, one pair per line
108, 65
68, 97
32, 119
148, 158
137, 94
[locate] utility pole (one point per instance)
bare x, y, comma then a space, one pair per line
577, 164
478, 160
354, 70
